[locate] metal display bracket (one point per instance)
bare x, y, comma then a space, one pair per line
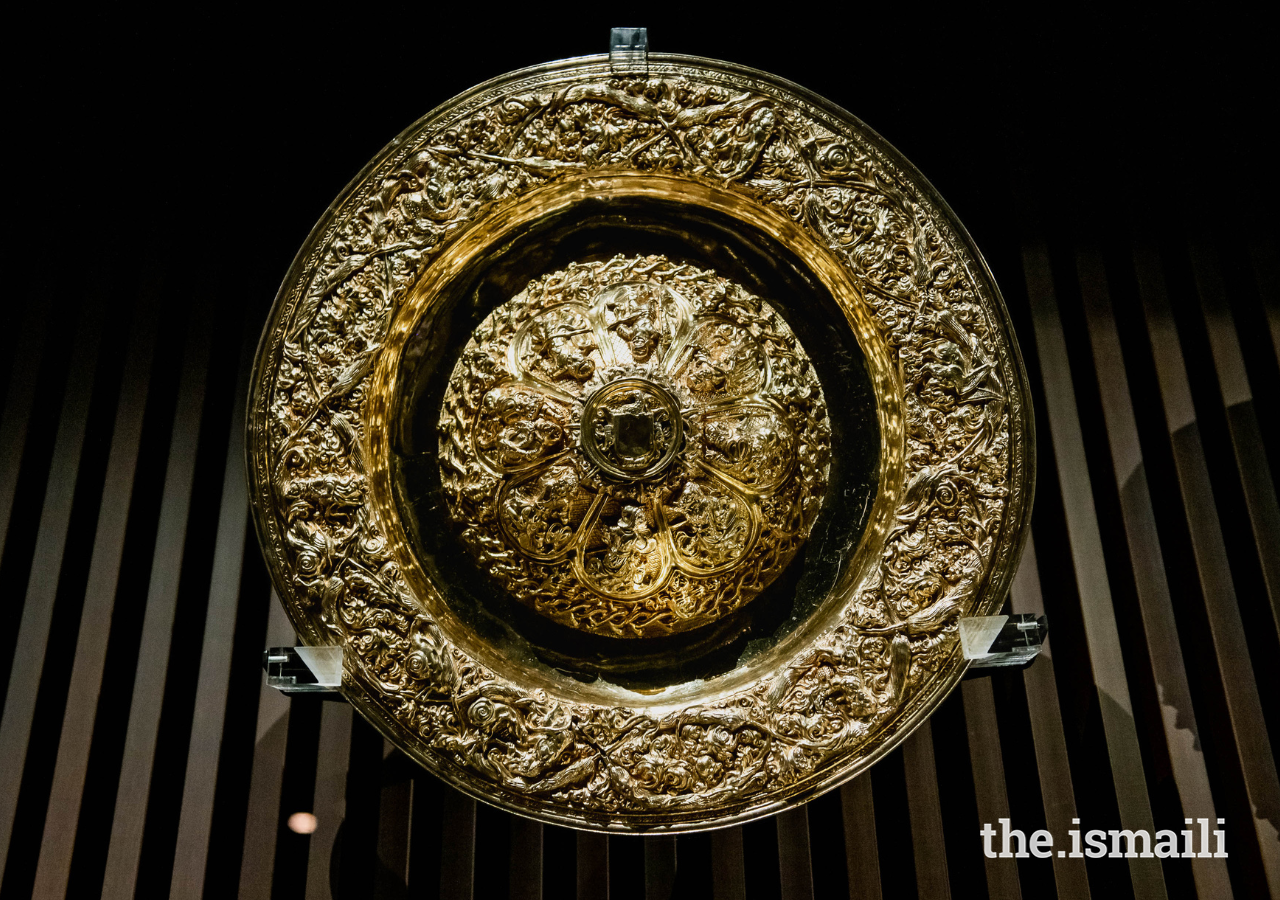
304, 670
990, 643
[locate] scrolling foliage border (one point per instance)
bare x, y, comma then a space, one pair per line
950, 551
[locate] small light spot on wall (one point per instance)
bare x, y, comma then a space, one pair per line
302, 822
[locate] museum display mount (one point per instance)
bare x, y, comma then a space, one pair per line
636, 430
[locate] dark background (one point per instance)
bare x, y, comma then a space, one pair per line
215, 138
165, 168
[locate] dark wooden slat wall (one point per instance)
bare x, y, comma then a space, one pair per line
1217, 581
204, 746
1047, 733
728, 865
1167, 667
1161, 702
1102, 635
23, 377
146, 706
85, 687
141, 755
1242, 417
48, 557
263, 809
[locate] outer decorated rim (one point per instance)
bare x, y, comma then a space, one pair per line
940, 541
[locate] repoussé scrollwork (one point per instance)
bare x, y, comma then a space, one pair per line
965, 439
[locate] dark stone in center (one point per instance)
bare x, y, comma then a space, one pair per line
633, 435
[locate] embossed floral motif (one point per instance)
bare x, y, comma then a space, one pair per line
838, 702
637, 420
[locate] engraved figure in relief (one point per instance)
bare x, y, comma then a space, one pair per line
631, 561
543, 512
723, 358
717, 529
754, 448
705, 375
517, 427
563, 346
636, 317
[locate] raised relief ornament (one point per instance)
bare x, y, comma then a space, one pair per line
640, 463
640, 433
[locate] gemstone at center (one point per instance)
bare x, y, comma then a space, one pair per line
631, 428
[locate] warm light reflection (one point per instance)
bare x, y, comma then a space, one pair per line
302, 822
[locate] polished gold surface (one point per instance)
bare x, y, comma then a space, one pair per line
641, 439
634, 446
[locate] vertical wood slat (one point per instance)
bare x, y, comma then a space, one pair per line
394, 813
1101, 632
989, 787
659, 867
1155, 603
157, 628
330, 803
593, 866
795, 863
200, 783
46, 567
1242, 420
458, 847
526, 859
925, 809
1264, 258
728, 864
861, 853
262, 818
53, 867
1208, 546
1047, 734
18, 399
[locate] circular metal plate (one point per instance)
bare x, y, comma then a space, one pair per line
641, 465
641, 439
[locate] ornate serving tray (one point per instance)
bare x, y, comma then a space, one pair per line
641, 433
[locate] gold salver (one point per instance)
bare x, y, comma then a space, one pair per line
641, 435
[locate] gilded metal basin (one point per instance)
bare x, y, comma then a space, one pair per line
641, 436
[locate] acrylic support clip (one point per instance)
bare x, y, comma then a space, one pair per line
629, 51
304, 670
993, 642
